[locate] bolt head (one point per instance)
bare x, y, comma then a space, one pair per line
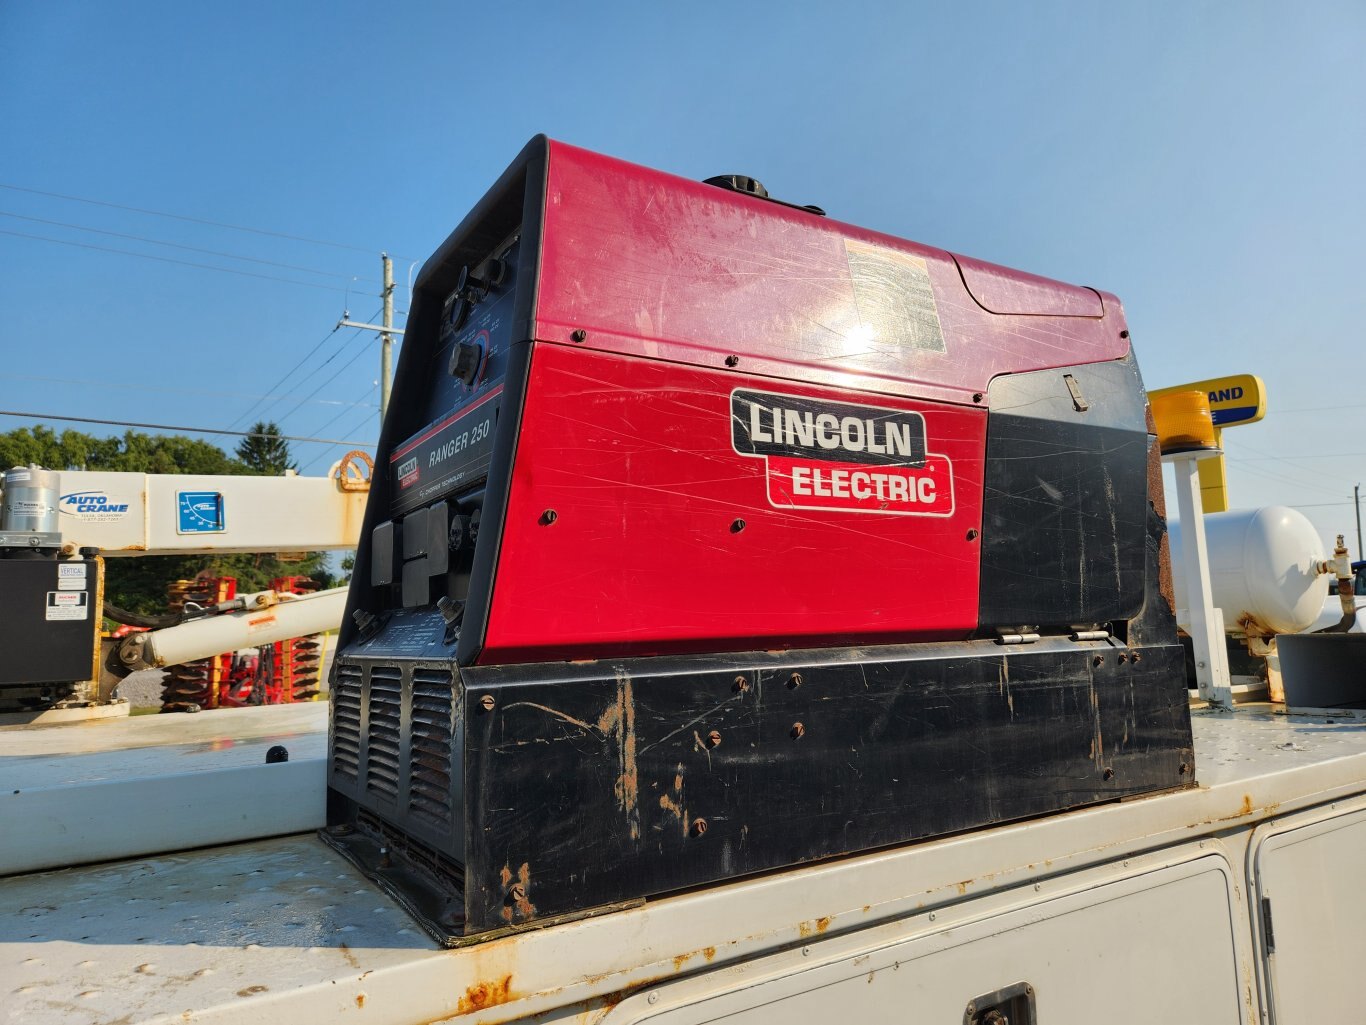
486, 703
714, 738
699, 827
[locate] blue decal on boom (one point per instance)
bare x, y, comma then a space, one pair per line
200, 512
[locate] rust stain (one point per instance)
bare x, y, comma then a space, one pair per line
707, 954
815, 928
251, 991
351, 959
360, 999
519, 896
963, 886
618, 722
485, 994
1246, 808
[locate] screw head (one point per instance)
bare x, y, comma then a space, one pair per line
653, 998
578, 335
517, 892
741, 685
548, 517
714, 738
1109, 773
486, 703
972, 534
1123, 657
732, 361
798, 731
736, 526
1135, 657
1098, 660
794, 681
699, 827
1183, 768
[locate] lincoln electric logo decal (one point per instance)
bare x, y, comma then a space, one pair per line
840, 456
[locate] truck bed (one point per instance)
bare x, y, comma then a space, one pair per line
285, 930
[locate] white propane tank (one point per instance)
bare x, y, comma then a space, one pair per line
1263, 564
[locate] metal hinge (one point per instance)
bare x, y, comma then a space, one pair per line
1012, 637
1090, 635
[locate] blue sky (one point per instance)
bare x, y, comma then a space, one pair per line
1203, 161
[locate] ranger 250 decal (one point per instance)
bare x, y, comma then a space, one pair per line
840, 456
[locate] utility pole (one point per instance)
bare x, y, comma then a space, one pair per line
386, 336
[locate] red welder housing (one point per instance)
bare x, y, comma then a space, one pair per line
665, 539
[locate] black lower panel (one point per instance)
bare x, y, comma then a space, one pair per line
587, 785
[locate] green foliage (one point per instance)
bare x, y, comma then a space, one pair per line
135, 451
139, 583
265, 452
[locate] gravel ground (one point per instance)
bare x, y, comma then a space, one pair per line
142, 690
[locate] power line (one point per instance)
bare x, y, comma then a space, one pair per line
340, 369
191, 220
177, 245
293, 370
180, 390
347, 407
183, 263
170, 427
323, 455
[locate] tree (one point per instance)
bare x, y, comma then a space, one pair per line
265, 452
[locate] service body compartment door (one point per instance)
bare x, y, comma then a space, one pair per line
1145, 947
1311, 914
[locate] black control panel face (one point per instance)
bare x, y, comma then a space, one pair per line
451, 453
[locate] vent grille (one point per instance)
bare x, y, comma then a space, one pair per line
386, 702
429, 767
346, 722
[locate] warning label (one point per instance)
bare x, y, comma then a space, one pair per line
840, 456
64, 605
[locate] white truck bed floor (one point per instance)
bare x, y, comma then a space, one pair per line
285, 930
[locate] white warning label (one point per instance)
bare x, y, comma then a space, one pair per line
63, 605
71, 576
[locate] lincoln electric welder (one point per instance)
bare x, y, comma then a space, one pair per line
710, 536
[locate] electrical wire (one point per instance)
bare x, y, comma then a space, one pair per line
125, 386
348, 406
177, 245
190, 220
183, 263
292, 371
324, 454
345, 366
173, 427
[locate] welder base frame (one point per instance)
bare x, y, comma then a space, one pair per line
592, 784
